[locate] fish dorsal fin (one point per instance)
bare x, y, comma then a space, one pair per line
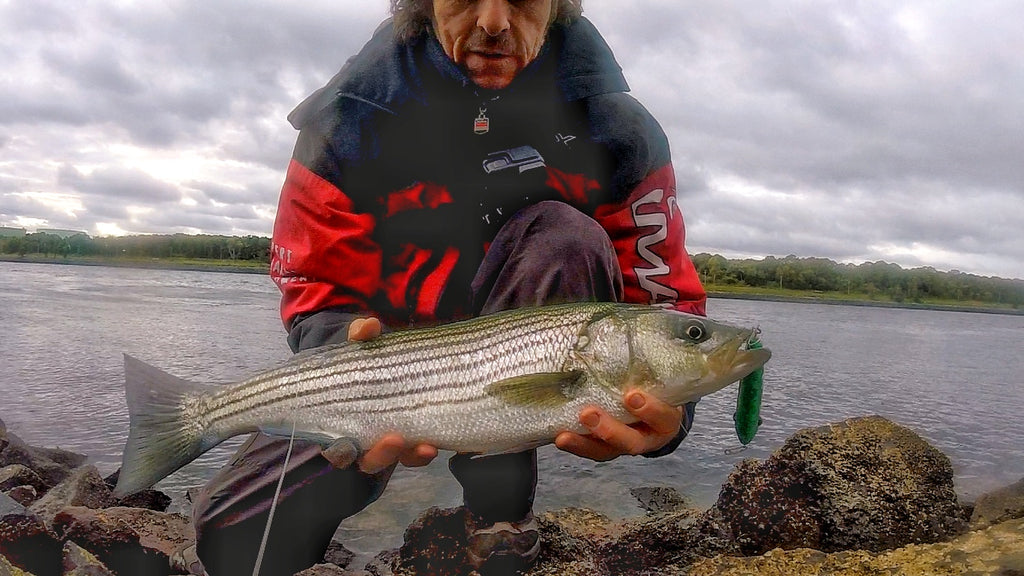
541, 390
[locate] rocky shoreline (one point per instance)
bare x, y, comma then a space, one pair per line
862, 496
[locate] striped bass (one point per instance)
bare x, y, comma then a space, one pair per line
499, 383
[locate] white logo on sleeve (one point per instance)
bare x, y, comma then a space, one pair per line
659, 221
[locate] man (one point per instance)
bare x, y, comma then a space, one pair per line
475, 156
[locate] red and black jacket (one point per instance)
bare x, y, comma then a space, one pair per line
404, 171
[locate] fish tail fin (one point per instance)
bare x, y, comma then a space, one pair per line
164, 432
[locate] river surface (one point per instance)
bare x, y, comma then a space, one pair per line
956, 378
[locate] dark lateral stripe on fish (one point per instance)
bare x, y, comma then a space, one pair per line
346, 364
415, 342
383, 409
398, 352
402, 345
394, 386
336, 392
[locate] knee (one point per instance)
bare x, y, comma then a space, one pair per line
566, 255
547, 253
564, 233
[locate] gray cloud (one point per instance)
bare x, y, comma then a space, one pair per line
125, 184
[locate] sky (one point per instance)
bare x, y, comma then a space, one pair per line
855, 131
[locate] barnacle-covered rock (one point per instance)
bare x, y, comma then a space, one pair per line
862, 484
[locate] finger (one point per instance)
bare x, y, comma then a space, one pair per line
662, 418
384, 454
364, 329
585, 446
624, 438
419, 455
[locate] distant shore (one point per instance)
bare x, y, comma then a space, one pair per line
254, 267
817, 299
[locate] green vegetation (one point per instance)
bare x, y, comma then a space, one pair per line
176, 250
784, 278
872, 282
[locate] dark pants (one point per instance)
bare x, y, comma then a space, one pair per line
546, 254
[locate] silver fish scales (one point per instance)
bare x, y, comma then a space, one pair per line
498, 383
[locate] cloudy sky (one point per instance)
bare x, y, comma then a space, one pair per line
857, 131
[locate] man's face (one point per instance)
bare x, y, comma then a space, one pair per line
492, 40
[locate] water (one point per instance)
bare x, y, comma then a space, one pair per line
954, 377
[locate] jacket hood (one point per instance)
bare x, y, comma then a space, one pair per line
386, 73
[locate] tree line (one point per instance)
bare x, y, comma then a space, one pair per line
189, 246
876, 280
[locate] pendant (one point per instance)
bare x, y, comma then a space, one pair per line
482, 124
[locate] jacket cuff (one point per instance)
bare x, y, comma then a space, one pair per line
328, 326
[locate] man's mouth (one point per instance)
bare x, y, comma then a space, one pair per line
488, 54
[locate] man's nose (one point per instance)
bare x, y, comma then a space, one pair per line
493, 16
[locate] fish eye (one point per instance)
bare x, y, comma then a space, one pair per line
694, 331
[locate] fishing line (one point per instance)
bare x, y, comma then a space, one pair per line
273, 503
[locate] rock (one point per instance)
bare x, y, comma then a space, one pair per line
435, 544
338, 555
574, 542
383, 564
24, 495
997, 550
325, 570
149, 499
662, 542
865, 483
127, 540
9, 505
20, 475
658, 499
570, 541
999, 505
8, 569
83, 487
29, 545
78, 561
52, 465
574, 524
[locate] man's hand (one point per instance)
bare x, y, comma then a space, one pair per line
609, 438
392, 448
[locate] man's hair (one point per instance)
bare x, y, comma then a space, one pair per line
412, 17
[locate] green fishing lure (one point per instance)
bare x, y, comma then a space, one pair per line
747, 417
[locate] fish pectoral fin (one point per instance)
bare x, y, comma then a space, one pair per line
544, 389
341, 453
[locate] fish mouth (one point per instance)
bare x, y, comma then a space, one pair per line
739, 356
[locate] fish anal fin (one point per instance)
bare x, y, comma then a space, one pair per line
541, 390
340, 452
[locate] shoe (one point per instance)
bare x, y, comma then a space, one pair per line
185, 559
503, 547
